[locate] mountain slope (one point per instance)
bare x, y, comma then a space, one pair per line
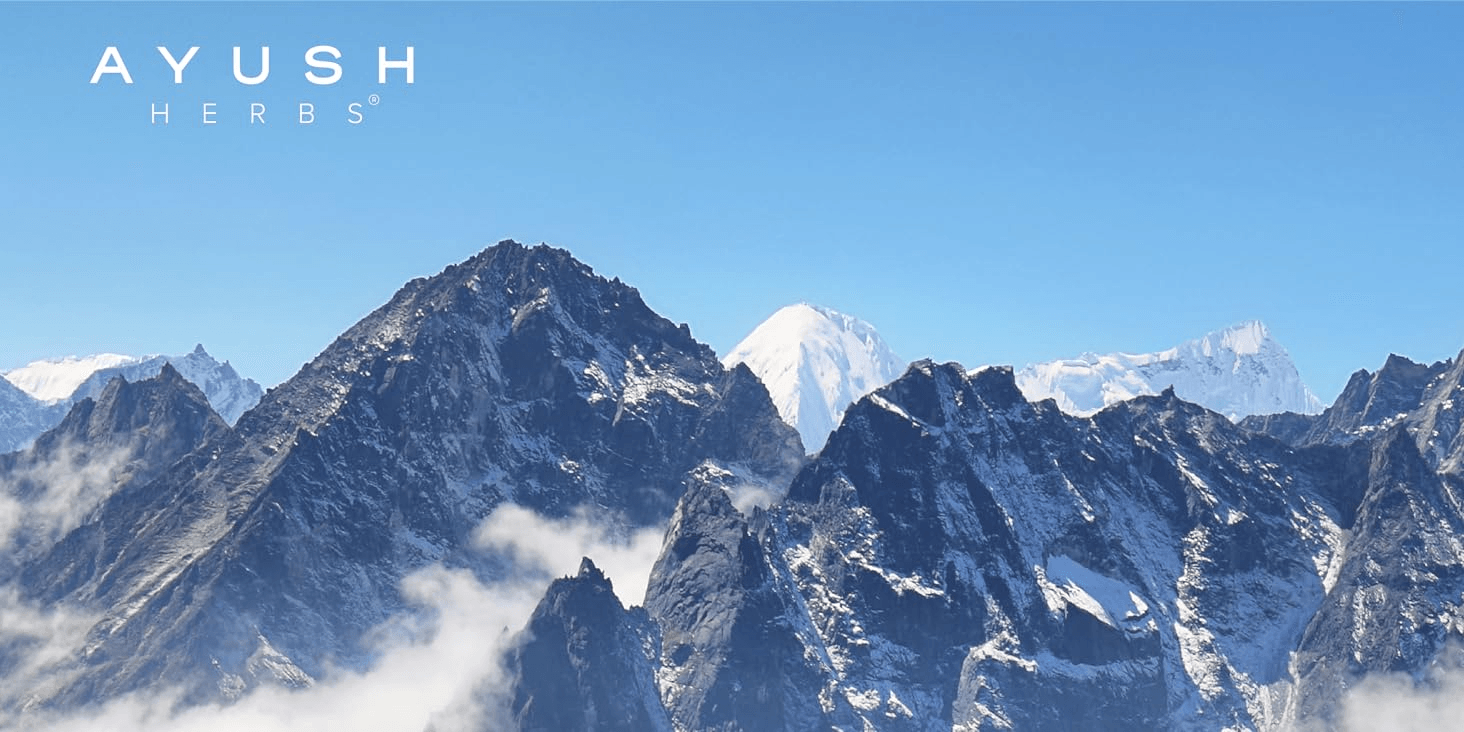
516, 376
1238, 371
130, 433
957, 556
23, 417
815, 363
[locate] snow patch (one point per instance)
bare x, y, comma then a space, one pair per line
54, 380
1065, 583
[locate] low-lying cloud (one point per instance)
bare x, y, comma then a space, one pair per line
449, 679
554, 547
1401, 703
41, 501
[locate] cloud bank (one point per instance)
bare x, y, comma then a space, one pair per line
447, 678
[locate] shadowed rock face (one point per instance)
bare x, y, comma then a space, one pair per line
733, 640
582, 663
1422, 400
518, 375
957, 556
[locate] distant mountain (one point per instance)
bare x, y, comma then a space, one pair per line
1238, 371
23, 417
518, 376
55, 380
230, 394
34, 397
815, 363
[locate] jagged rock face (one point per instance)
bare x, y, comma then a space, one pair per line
1396, 602
733, 648
1424, 401
584, 663
129, 434
518, 375
989, 562
959, 557
1370, 401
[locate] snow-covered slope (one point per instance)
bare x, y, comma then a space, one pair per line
23, 417
66, 381
54, 380
1238, 371
815, 363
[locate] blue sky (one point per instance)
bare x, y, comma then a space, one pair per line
987, 183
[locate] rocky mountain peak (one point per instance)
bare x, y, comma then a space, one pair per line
581, 662
147, 409
518, 376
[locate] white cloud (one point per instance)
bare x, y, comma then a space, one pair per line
554, 547
41, 502
37, 644
1398, 703
450, 676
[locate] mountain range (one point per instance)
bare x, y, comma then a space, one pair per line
956, 555
265, 553
1237, 371
35, 397
816, 362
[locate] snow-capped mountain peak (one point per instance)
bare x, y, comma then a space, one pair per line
1238, 371
52, 380
1246, 338
815, 362
56, 384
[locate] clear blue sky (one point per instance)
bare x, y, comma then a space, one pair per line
987, 183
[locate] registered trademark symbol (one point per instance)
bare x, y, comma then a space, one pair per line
374, 99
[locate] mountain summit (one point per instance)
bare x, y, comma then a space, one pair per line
518, 376
34, 397
1238, 371
815, 363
